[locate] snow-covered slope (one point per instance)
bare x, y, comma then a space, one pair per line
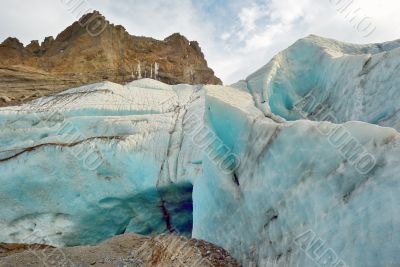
272, 186
322, 79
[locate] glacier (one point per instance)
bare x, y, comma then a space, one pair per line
295, 166
84, 145
354, 82
292, 180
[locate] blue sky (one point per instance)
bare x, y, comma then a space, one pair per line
237, 36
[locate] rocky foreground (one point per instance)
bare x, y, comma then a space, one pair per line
125, 250
92, 50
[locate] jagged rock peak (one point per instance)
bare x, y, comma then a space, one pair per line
12, 42
175, 37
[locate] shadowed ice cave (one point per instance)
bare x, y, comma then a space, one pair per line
167, 209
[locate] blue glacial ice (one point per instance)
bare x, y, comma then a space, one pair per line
242, 166
299, 177
94, 162
353, 82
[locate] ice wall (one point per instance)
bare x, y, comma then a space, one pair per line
96, 161
288, 168
323, 79
300, 184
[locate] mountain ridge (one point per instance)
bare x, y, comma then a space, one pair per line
83, 54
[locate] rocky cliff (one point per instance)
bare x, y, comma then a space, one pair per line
91, 50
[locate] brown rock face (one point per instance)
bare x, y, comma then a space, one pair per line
124, 250
91, 50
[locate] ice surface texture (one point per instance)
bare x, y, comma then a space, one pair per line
96, 161
295, 179
265, 178
353, 82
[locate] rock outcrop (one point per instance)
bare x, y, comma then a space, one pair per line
124, 250
91, 50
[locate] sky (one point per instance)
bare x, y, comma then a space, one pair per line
237, 36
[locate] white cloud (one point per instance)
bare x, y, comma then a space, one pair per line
248, 17
289, 20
